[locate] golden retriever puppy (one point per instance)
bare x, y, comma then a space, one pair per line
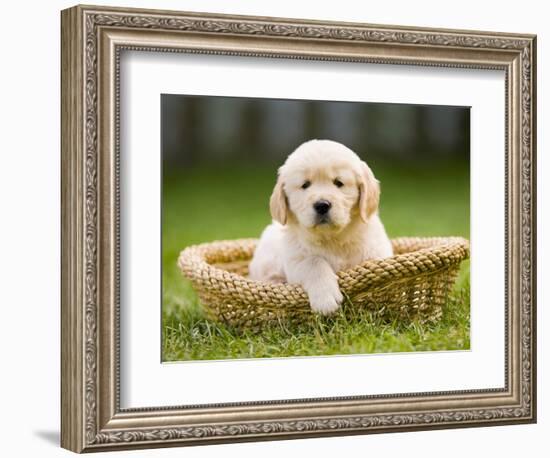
324, 206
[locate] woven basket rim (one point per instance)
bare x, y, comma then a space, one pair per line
442, 251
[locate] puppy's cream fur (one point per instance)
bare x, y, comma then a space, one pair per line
306, 248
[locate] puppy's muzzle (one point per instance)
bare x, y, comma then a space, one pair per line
322, 207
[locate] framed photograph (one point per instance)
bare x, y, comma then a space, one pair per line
277, 228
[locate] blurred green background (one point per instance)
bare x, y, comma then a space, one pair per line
220, 157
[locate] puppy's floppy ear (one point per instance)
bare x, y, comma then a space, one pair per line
278, 204
369, 192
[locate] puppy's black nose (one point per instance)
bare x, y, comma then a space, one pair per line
322, 207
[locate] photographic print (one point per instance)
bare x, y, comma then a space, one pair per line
313, 228
291, 203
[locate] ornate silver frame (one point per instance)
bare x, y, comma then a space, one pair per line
92, 39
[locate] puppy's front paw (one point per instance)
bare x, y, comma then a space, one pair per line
325, 300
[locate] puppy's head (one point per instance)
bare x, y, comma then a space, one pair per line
323, 186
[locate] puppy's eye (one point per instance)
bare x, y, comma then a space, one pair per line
306, 184
338, 183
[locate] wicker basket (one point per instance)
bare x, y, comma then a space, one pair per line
412, 285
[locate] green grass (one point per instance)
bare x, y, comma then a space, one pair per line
233, 204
